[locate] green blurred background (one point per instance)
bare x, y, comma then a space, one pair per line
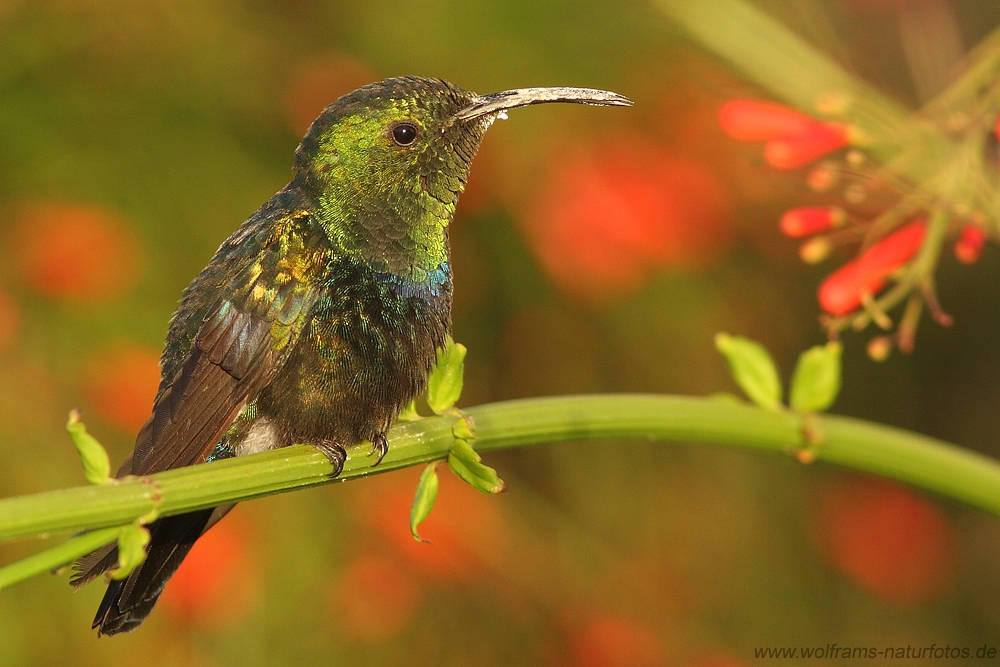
595, 250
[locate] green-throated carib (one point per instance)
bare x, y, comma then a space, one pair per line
317, 321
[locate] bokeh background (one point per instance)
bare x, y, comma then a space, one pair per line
595, 250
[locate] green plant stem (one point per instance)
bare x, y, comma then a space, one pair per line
57, 556
907, 457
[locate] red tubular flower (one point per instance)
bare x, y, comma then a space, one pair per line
798, 150
809, 220
756, 120
793, 138
970, 244
842, 290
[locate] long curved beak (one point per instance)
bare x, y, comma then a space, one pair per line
496, 103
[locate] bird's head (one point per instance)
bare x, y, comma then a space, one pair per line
388, 161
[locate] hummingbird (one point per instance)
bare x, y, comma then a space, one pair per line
317, 321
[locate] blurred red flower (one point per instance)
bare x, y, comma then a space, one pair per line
801, 149
605, 640
605, 220
842, 291
77, 252
318, 82
759, 120
888, 539
217, 583
10, 320
121, 385
374, 598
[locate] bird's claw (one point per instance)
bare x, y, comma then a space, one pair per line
380, 445
335, 453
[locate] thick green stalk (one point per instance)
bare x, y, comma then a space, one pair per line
907, 457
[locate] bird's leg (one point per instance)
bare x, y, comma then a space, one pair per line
379, 447
335, 453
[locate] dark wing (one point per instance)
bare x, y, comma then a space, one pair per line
239, 348
223, 350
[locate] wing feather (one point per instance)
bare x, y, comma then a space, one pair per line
237, 351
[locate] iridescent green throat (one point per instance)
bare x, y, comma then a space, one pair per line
387, 202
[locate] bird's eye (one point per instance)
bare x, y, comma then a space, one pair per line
404, 134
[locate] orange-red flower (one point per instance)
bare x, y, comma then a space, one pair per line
77, 252
809, 220
969, 244
793, 138
121, 385
888, 539
606, 220
758, 120
842, 291
801, 149
374, 597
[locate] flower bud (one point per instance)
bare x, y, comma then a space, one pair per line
841, 292
815, 250
822, 177
879, 348
809, 220
970, 244
798, 150
756, 120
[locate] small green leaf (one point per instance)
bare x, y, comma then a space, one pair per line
464, 428
132, 541
445, 383
96, 467
467, 464
409, 413
752, 368
816, 381
423, 499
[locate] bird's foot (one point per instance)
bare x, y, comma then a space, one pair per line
335, 453
379, 447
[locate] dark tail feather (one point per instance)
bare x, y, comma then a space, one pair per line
127, 602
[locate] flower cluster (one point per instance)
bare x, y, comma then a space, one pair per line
899, 243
